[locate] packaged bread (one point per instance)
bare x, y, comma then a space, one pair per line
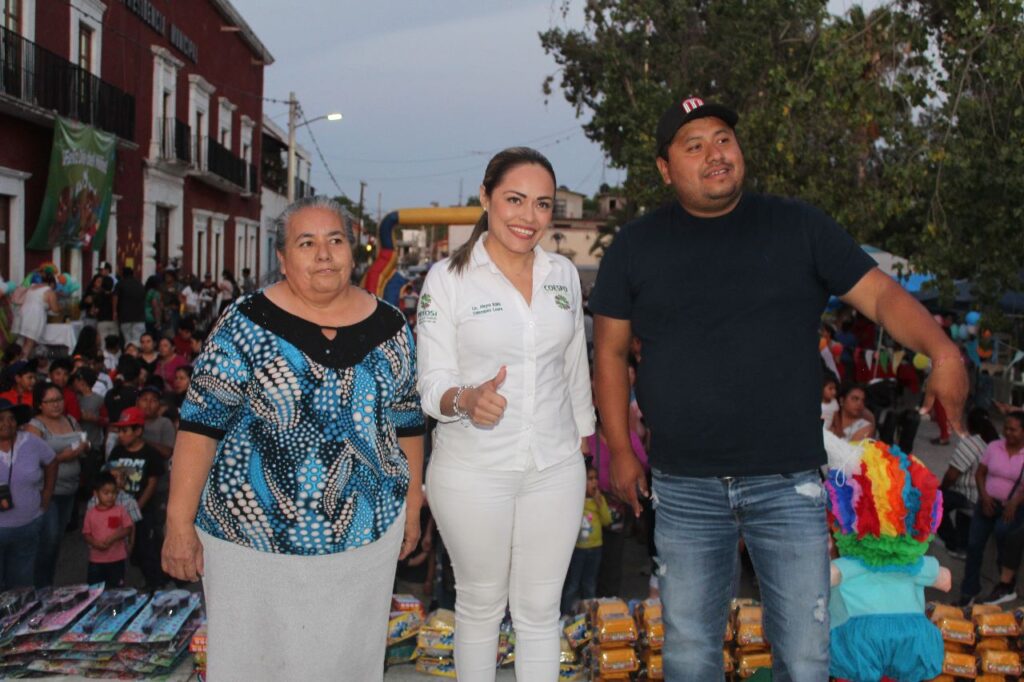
749, 614
985, 677
960, 665
438, 667
937, 612
956, 647
740, 601
605, 606
957, 630
402, 625
1000, 663
578, 631
728, 631
615, 629
1001, 624
982, 609
654, 664
614, 661
652, 633
943, 678
748, 664
566, 653
648, 608
728, 664
992, 644
750, 634
407, 602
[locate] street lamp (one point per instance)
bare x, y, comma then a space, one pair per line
293, 114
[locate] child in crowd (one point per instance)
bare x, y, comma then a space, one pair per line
107, 525
142, 466
586, 558
829, 404
111, 352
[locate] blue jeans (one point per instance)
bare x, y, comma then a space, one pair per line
581, 580
781, 518
18, 554
981, 528
54, 524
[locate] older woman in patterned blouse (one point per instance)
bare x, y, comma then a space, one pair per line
297, 475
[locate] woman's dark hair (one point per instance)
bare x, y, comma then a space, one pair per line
187, 369
845, 389
152, 282
979, 423
39, 392
86, 374
497, 169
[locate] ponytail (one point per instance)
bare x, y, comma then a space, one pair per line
460, 259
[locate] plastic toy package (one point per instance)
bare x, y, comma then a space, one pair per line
162, 618
57, 608
14, 605
109, 614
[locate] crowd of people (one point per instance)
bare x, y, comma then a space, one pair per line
93, 432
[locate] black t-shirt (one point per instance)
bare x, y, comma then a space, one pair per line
131, 300
139, 467
728, 311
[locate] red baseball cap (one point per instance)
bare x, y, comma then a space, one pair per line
131, 416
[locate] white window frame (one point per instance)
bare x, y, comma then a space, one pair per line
217, 221
12, 184
199, 93
246, 230
165, 80
28, 21
90, 13
225, 114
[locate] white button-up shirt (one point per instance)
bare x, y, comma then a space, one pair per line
468, 325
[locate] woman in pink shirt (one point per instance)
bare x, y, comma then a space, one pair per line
168, 361
1000, 495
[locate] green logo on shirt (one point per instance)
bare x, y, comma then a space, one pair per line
425, 301
561, 301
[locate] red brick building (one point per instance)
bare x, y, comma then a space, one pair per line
180, 84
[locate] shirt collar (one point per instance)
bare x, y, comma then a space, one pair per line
480, 257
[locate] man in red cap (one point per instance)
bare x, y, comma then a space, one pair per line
138, 466
735, 419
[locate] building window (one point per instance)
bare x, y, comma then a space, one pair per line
12, 15
85, 48
200, 155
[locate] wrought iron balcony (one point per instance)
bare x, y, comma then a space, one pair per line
44, 79
222, 162
173, 136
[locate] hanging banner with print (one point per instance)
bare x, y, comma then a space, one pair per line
79, 189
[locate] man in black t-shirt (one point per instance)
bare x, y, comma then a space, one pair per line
129, 303
735, 421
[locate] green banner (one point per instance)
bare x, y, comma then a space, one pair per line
79, 189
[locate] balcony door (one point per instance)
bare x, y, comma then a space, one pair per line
162, 235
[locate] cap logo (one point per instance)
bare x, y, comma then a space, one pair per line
692, 103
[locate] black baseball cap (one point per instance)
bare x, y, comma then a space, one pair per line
686, 110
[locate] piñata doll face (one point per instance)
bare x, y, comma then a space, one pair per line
887, 510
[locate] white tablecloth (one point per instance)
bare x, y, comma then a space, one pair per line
63, 334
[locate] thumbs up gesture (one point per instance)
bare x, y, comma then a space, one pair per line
484, 404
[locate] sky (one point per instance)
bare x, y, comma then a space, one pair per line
429, 92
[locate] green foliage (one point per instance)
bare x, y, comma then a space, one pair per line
905, 123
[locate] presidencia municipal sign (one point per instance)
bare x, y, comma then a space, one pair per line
79, 188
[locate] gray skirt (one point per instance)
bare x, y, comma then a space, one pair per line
283, 617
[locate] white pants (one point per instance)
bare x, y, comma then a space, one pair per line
132, 332
510, 535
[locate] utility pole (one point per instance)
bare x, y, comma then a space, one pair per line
362, 189
293, 114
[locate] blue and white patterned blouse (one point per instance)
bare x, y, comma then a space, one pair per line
307, 459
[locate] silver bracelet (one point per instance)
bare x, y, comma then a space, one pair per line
459, 412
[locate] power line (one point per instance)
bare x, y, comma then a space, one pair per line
316, 144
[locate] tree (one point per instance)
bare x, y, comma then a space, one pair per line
850, 113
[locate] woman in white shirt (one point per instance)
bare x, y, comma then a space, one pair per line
503, 368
